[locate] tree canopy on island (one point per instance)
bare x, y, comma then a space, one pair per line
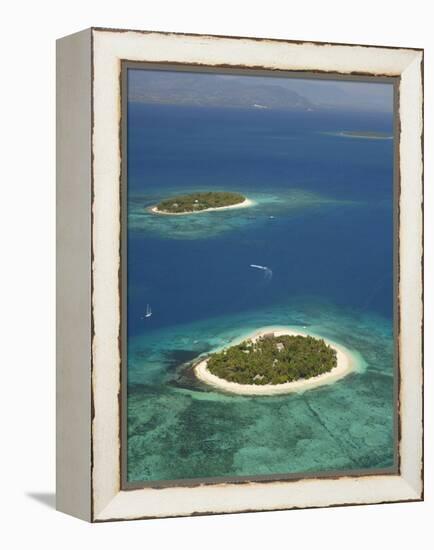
273, 360
195, 202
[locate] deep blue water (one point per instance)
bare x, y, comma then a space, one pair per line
342, 252
329, 245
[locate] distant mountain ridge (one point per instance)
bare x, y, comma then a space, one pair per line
193, 91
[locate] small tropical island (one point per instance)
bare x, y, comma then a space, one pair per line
360, 134
275, 361
365, 135
201, 202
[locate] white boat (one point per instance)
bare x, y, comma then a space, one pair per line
267, 271
148, 311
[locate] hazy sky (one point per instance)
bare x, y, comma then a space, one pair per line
276, 92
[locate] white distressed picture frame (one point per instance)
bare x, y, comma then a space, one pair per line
89, 164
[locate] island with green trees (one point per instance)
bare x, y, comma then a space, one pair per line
272, 359
201, 202
275, 360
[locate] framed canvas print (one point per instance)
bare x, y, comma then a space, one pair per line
239, 266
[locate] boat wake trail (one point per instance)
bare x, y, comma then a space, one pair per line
268, 274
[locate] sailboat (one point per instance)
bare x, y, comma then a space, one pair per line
148, 311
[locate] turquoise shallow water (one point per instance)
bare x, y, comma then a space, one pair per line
181, 429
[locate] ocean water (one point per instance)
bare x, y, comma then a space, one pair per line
329, 244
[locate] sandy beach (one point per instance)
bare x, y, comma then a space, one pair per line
345, 365
245, 204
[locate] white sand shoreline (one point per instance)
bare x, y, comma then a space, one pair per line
245, 204
345, 364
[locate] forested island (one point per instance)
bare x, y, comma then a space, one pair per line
271, 359
199, 202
